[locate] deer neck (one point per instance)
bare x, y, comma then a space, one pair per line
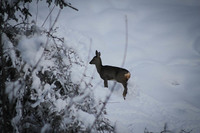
99, 66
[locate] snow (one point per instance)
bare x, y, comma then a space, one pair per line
60, 104
45, 128
163, 58
9, 48
12, 89
36, 81
88, 119
32, 48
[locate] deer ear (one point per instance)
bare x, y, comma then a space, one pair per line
99, 54
96, 52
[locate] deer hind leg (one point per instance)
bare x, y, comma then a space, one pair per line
105, 83
125, 89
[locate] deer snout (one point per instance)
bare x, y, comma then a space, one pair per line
91, 62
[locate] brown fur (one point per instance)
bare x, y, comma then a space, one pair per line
121, 75
127, 75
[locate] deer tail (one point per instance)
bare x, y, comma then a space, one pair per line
127, 75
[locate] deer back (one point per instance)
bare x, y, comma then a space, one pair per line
114, 73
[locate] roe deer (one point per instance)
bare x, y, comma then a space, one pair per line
111, 73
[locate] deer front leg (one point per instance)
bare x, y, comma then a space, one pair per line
105, 83
125, 90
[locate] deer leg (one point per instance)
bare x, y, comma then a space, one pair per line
125, 89
105, 83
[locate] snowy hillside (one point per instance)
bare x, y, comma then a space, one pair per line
163, 57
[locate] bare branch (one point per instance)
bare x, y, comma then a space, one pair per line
84, 73
48, 15
102, 108
69, 5
36, 14
46, 42
126, 40
55, 20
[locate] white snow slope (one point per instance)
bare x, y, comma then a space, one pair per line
163, 57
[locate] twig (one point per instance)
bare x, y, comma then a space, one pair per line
20, 24
48, 15
102, 108
126, 40
69, 5
54, 37
84, 73
46, 42
183, 131
27, 18
55, 20
36, 13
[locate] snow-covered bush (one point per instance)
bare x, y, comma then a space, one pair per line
40, 90
166, 130
38, 93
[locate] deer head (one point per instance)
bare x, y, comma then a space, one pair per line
96, 59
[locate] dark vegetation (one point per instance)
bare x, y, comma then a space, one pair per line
32, 91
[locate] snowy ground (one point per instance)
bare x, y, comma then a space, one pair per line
163, 57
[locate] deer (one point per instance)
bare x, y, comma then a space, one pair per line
106, 72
